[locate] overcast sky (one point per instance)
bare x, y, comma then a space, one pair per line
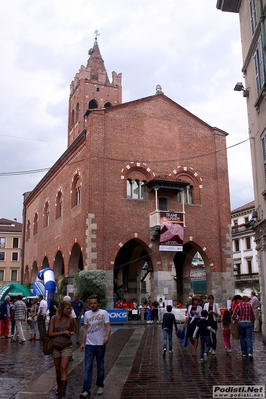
189, 47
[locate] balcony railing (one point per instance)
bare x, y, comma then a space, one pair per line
252, 276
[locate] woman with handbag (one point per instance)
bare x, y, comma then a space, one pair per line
213, 313
61, 329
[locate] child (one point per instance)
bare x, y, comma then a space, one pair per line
203, 328
167, 326
226, 323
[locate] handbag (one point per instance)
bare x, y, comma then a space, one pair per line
234, 330
185, 339
48, 346
180, 333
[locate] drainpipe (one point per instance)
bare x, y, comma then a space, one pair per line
262, 28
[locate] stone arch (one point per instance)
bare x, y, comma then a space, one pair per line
26, 274
134, 263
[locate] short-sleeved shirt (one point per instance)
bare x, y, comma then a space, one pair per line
77, 306
96, 326
20, 309
43, 307
53, 303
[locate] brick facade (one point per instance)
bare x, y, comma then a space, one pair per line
99, 226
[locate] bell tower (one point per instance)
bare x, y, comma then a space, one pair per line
91, 89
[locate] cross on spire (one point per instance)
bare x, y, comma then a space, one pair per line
97, 33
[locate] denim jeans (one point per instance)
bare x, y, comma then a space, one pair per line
167, 334
92, 351
245, 335
205, 344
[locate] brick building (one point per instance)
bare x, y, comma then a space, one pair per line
99, 206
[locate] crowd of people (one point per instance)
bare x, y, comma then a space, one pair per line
64, 323
200, 325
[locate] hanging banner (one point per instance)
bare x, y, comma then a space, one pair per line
171, 231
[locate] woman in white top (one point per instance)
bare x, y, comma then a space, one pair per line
193, 316
213, 312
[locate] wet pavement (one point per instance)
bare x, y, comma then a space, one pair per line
135, 368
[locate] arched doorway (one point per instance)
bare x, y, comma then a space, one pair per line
76, 260
183, 262
34, 271
45, 263
133, 272
58, 265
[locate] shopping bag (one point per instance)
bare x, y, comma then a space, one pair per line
234, 331
48, 346
180, 333
185, 339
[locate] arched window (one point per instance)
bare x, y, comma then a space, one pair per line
35, 224
58, 205
136, 189
28, 230
72, 117
107, 105
93, 104
188, 195
46, 213
77, 111
76, 191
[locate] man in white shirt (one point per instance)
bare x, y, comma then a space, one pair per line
96, 333
41, 318
255, 303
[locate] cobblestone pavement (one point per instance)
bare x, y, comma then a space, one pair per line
135, 367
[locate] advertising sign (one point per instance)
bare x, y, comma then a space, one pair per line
171, 231
117, 315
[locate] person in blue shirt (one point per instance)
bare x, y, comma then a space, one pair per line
167, 326
78, 307
203, 328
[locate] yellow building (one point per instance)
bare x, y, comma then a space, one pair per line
10, 251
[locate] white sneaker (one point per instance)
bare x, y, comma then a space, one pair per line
84, 395
213, 352
164, 352
100, 391
205, 356
229, 350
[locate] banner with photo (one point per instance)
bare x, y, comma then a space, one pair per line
171, 231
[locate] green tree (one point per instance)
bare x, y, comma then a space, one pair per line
91, 282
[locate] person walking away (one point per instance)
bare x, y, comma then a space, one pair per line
5, 315
244, 314
203, 329
20, 314
53, 306
13, 323
41, 318
191, 321
213, 312
96, 333
78, 306
226, 325
155, 309
61, 328
167, 326
33, 323
255, 303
